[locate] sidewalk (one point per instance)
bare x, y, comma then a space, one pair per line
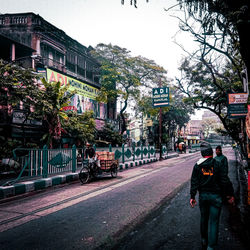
43, 183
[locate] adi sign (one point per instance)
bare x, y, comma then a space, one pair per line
161, 97
81, 88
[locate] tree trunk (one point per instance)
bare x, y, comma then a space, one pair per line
123, 125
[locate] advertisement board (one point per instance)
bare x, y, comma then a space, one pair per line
237, 107
237, 98
75, 85
85, 97
237, 110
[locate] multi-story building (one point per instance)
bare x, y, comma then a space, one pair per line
191, 133
31, 41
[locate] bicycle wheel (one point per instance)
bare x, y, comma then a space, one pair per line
84, 175
113, 170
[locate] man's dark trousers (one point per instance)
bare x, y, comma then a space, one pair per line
210, 208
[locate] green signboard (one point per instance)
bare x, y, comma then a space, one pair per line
237, 110
161, 97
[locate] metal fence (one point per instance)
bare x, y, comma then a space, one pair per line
44, 162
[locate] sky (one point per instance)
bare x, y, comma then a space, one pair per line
149, 30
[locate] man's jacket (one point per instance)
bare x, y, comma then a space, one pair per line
89, 152
223, 161
209, 176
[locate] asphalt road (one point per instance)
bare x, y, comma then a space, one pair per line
102, 213
175, 225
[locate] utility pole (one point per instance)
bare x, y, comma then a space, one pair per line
160, 128
160, 99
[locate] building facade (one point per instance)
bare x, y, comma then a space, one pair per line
192, 132
32, 42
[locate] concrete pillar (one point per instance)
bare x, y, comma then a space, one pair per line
38, 47
13, 52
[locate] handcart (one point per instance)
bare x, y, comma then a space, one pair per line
91, 169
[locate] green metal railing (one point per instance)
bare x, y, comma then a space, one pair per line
44, 162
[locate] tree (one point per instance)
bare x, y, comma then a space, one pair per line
125, 76
174, 117
108, 134
211, 72
42, 101
18, 88
53, 98
231, 18
209, 126
80, 127
206, 87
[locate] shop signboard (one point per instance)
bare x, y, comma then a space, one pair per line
237, 98
161, 97
19, 117
237, 111
237, 105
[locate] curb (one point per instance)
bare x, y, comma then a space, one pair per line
40, 184
30, 186
131, 164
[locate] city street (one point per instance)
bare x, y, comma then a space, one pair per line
104, 213
106, 107
176, 226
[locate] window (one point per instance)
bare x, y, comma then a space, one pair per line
70, 57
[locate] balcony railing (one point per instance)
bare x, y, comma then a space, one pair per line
61, 67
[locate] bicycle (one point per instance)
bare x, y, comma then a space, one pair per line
91, 170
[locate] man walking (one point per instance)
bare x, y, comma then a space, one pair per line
212, 182
221, 158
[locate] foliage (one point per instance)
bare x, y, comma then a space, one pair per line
210, 125
81, 127
125, 76
179, 111
53, 98
6, 147
222, 19
231, 18
174, 117
17, 85
225, 15
108, 134
206, 86
133, 2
